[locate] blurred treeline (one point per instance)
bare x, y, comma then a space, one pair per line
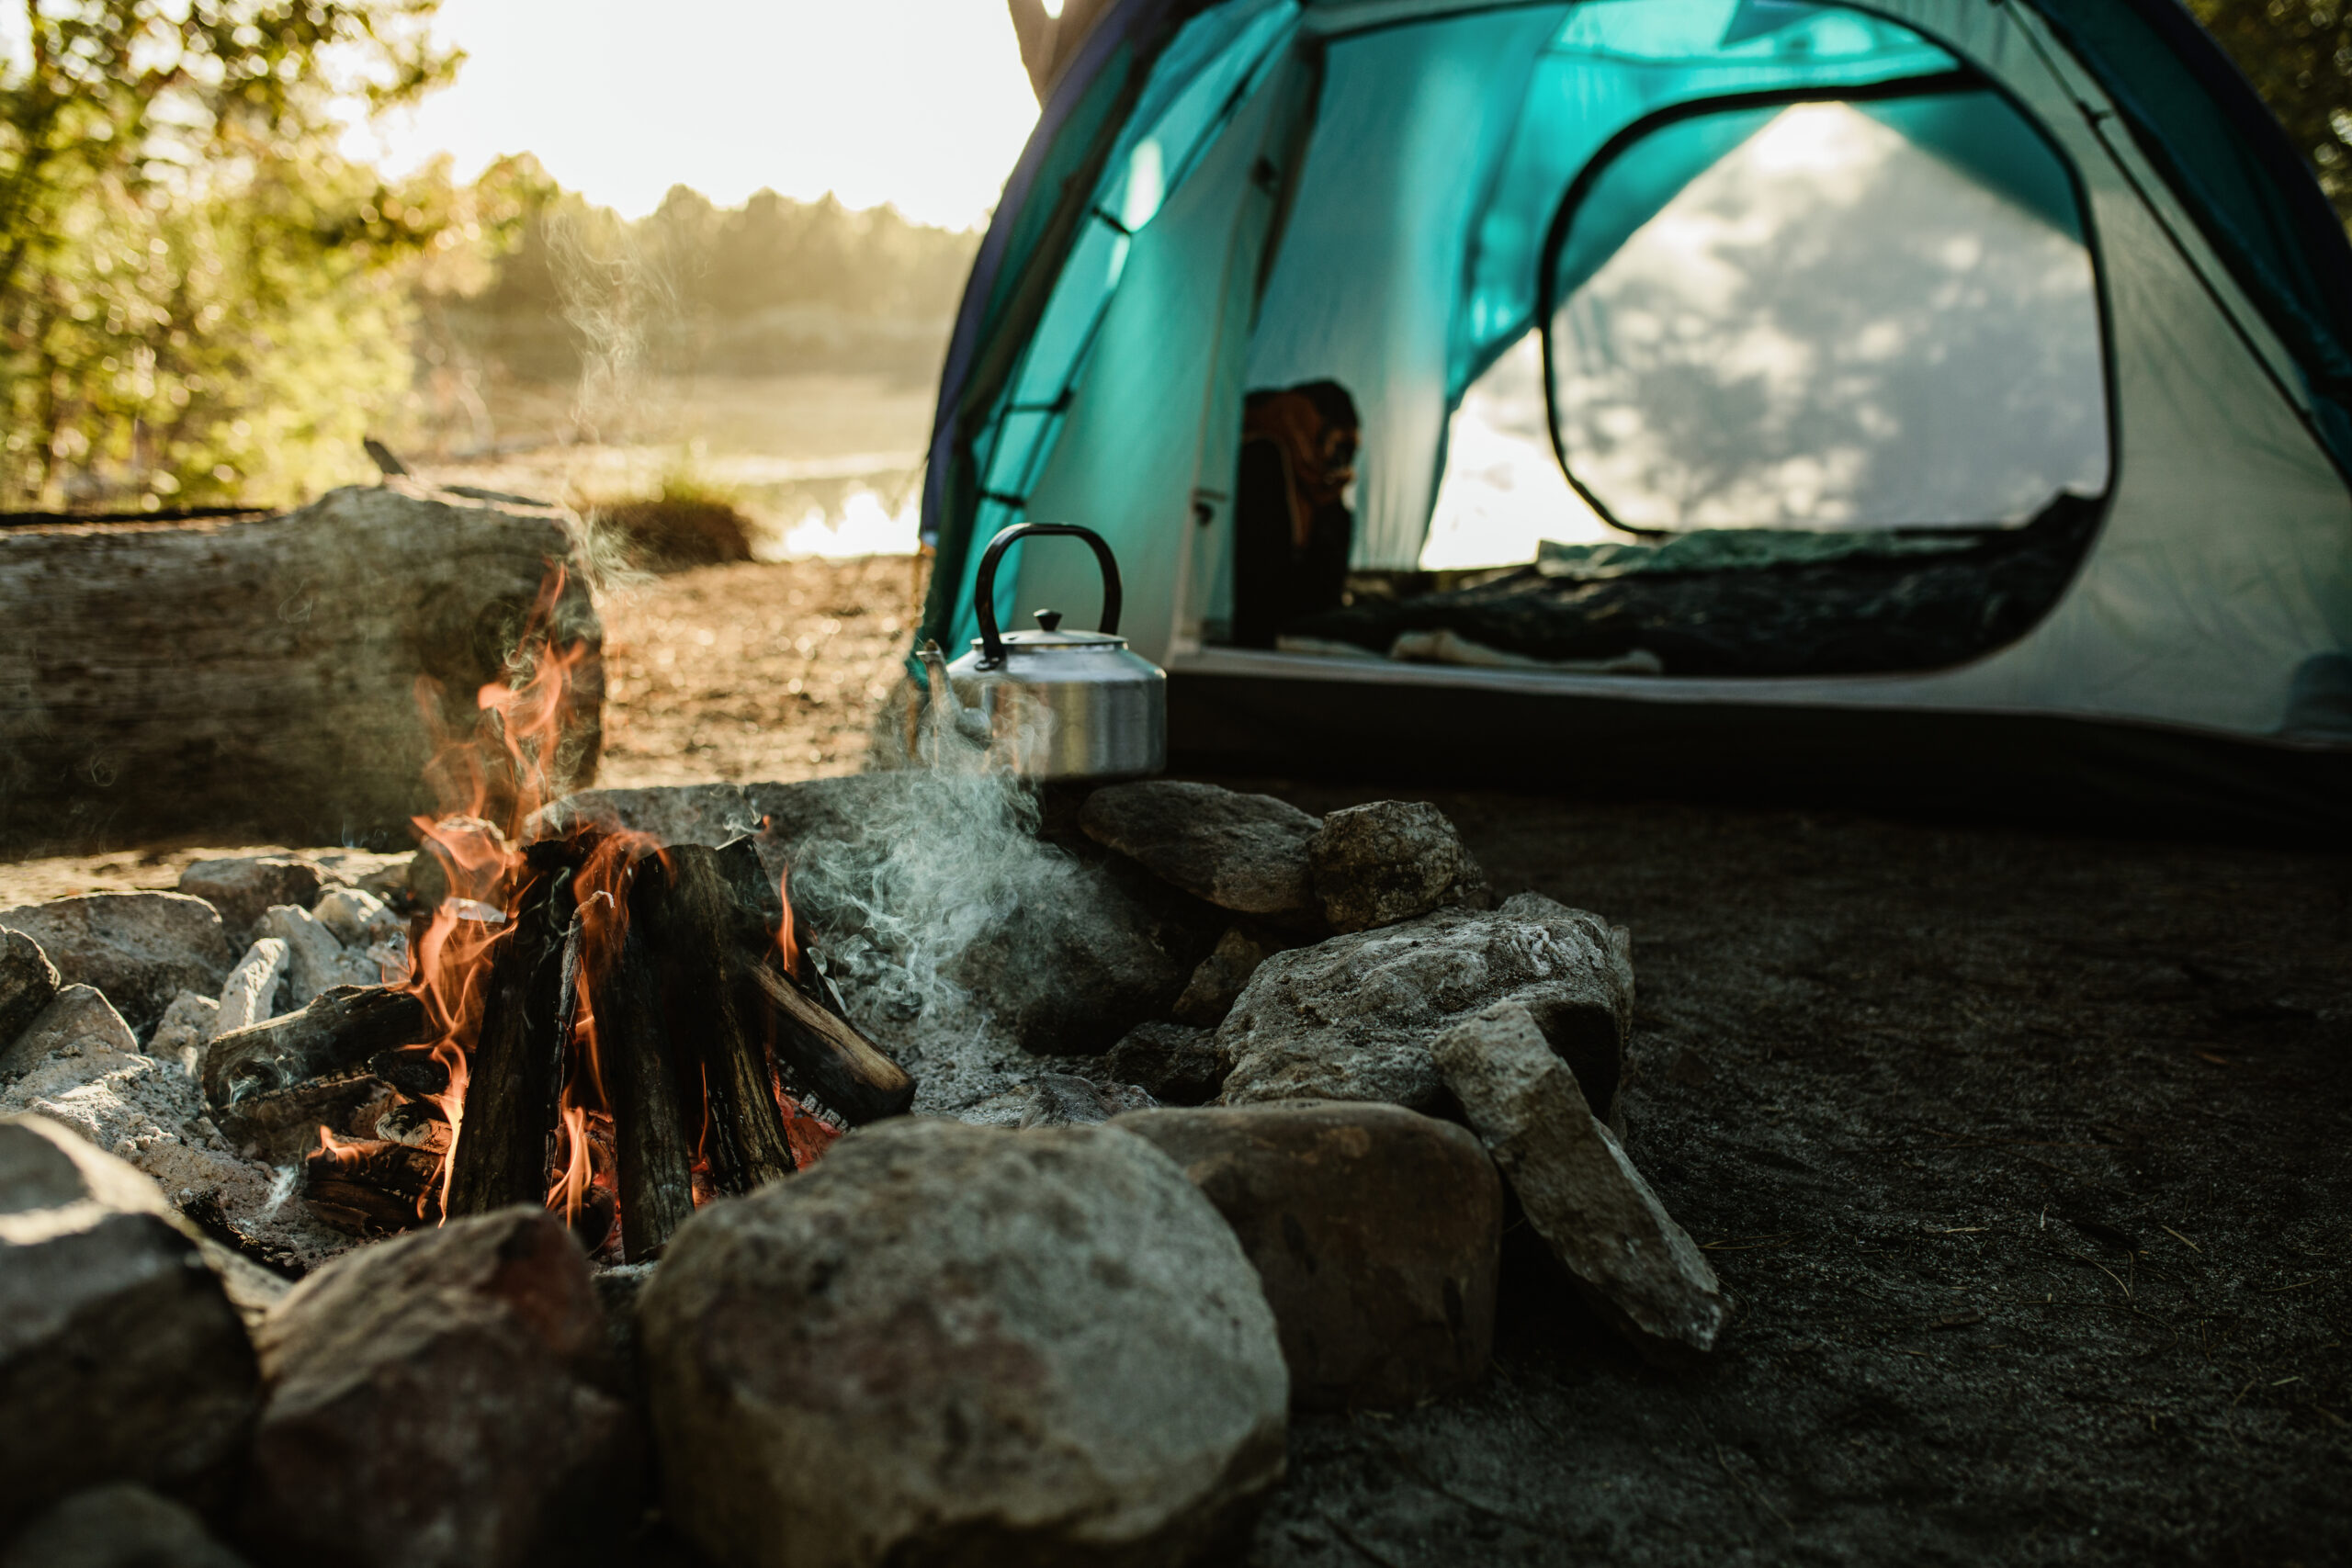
203, 301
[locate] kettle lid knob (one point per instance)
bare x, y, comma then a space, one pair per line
1049, 621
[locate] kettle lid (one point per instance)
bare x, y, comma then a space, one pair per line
1050, 636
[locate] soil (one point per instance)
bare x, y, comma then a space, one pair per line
2025, 1159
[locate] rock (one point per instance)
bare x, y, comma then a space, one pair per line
672, 814
1060, 1099
315, 961
1351, 1018
1174, 1064
243, 886
79, 1021
947, 1343
1391, 861
1377, 1232
250, 995
118, 1525
463, 857
1243, 852
121, 1356
1070, 972
359, 920
1636, 1267
28, 983
187, 1023
1218, 983
439, 1399
140, 949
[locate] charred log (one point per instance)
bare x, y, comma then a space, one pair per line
823, 1053
500, 1154
371, 1189
640, 1084
694, 929
333, 1036
412, 1072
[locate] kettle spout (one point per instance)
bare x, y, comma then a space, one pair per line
946, 721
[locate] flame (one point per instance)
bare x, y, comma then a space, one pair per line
342, 1151
788, 945
579, 1169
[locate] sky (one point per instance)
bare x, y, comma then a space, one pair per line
920, 103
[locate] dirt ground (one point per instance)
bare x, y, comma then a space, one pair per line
2028, 1161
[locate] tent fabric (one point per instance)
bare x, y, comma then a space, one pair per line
1434, 141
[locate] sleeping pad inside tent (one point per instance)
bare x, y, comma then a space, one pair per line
1602, 369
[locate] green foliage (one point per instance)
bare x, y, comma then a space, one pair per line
2297, 54
199, 299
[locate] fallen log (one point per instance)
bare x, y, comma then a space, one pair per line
333, 1036
151, 675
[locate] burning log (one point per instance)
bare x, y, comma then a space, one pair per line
640, 1085
370, 1188
501, 1156
286, 649
333, 1036
695, 925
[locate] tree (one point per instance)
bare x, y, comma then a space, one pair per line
2297, 54
199, 298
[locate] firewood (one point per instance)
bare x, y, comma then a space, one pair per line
333, 1036
413, 1072
694, 929
640, 1086
215, 654
825, 1055
370, 1188
501, 1153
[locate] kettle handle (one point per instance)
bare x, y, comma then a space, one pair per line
984, 591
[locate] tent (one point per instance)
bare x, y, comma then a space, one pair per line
1953, 399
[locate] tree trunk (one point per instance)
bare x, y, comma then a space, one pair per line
262, 677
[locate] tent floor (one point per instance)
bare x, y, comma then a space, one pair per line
1349, 723
2024, 1156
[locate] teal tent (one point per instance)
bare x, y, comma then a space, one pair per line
1935, 391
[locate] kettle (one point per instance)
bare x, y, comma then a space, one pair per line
1056, 704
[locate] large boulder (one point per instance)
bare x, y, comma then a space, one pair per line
1243, 852
28, 983
1376, 1232
443, 1398
1632, 1262
140, 949
1352, 1017
1391, 861
121, 1356
121, 1525
956, 1344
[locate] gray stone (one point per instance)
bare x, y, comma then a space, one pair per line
1352, 1017
1071, 974
243, 886
1060, 1099
463, 857
1243, 852
188, 1024
121, 1356
250, 994
674, 814
1218, 983
1637, 1268
1173, 1063
359, 919
1391, 861
947, 1343
28, 983
315, 961
1377, 1232
140, 949
121, 1525
441, 1398
79, 1021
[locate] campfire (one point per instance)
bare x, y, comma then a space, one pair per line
618, 1029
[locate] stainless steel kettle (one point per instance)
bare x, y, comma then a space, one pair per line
1063, 705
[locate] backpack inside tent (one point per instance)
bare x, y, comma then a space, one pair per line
1947, 401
